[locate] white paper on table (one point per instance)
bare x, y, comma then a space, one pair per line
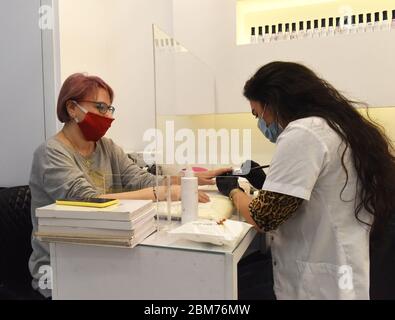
209, 231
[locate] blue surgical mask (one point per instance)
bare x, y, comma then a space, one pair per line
271, 132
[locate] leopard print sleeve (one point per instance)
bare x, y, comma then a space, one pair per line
270, 209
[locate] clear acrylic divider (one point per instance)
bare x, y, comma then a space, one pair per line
168, 198
190, 134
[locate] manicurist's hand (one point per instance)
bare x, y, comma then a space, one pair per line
226, 184
255, 177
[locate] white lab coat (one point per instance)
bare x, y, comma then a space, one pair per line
322, 251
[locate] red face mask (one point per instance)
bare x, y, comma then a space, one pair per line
94, 126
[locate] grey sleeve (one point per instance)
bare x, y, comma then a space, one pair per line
132, 176
62, 178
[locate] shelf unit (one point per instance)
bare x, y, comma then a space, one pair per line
255, 13
359, 65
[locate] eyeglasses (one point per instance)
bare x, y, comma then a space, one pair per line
101, 106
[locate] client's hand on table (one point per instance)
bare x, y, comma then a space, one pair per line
175, 191
206, 177
203, 197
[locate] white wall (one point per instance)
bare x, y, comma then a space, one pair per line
113, 39
208, 29
21, 89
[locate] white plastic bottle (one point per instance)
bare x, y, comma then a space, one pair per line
369, 23
280, 34
267, 34
309, 32
346, 25
324, 30
316, 31
253, 37
331, 29
353, 27
385, 26
338, 28
274, 33
287, 34
301, 33
189, 197
260, 34
377, 22
294, 33
361, 25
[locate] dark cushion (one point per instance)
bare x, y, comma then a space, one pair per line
382, 261
15, 243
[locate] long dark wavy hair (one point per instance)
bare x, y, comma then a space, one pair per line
292, 91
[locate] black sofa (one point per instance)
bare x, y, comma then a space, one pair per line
15, 246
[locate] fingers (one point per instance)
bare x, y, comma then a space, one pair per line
176, 193
203, 197
161, 193
212, 173
221, 171
205, 181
